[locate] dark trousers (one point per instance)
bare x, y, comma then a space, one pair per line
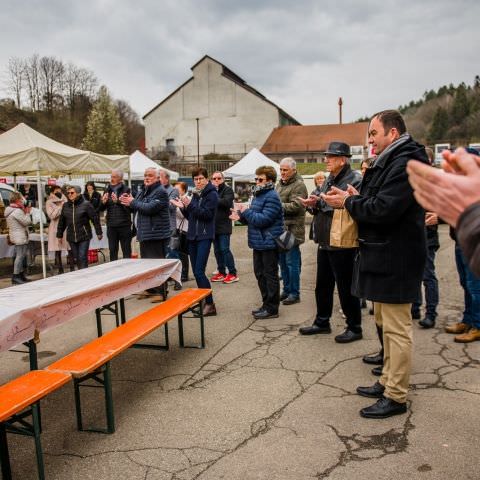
223, 254
184, 259
122, 236
430, 284
336, 266
155, 249
199, 251
265, 266
79, 252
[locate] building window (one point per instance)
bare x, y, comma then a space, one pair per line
170, 144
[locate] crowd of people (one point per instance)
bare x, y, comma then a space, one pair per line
396, 200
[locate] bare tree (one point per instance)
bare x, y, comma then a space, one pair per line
15, 79
31, 76
51, 80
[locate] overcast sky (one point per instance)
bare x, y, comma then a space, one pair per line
302, 55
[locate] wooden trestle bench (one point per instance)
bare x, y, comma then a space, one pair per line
91, 361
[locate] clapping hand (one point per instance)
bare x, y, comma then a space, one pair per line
335, 197
126, 199
311, 201
114, 197
105, 197
177, 202
234, 215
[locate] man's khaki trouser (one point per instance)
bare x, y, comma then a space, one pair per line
396, 322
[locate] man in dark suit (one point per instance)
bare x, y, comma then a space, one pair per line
392, 253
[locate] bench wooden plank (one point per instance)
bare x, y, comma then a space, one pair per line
23, 391
99, 351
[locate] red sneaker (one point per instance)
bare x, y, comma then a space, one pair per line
230, 278
219, 277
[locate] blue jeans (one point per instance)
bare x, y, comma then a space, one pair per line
471, 287
430, 284
223, 254
79, 252
290, 267
199, 251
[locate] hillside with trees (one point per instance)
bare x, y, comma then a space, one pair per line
450, 114
64, 102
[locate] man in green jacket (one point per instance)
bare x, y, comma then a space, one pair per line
290, 187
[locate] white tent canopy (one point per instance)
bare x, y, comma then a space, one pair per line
24, 150
138, 164
244, 170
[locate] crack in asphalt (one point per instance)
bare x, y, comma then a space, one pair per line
388, 443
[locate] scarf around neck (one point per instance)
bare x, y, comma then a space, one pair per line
402, 139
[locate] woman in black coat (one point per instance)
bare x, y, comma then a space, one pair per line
91, 195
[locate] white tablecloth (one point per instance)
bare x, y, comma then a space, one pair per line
45, 303
7, 251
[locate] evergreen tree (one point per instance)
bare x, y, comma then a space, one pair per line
105, 132
460, 108
439, 126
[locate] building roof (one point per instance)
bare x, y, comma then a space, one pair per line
227, 73
314, 138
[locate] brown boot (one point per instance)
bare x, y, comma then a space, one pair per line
457, 328
209, 310
156, 299
470, 336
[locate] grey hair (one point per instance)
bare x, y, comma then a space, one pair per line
118, 172
156, 170
319, 174
161, 170
290, 161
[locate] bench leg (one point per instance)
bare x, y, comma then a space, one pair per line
103, 380
197, 314
155, 346
38, 445
19, 424
4, 456
123, 317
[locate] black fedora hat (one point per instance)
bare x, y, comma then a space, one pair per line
339, 149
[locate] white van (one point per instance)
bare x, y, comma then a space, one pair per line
5, 191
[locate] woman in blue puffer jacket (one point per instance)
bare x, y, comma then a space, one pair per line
265, 222
200, 212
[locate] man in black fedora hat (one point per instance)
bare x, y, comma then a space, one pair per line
334, 265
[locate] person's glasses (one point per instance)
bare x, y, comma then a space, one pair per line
284, 169
259, 180
199, 179
216, 178
71, 193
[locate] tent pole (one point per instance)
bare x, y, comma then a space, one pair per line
40, 207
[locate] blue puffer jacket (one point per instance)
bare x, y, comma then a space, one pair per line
152, 217
264, 219
200, 214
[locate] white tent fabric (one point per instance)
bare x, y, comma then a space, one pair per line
138, 164
244, 170
24, 150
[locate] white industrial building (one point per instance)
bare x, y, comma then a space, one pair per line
215, 110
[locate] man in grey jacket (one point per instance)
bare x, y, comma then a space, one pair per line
290, 188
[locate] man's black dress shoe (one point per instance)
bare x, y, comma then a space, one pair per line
376, 359
416, 315
283, 296
377, 370
427, 322
257, 310
315, 329
384, 408
348, 336
375, 391
264, 314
